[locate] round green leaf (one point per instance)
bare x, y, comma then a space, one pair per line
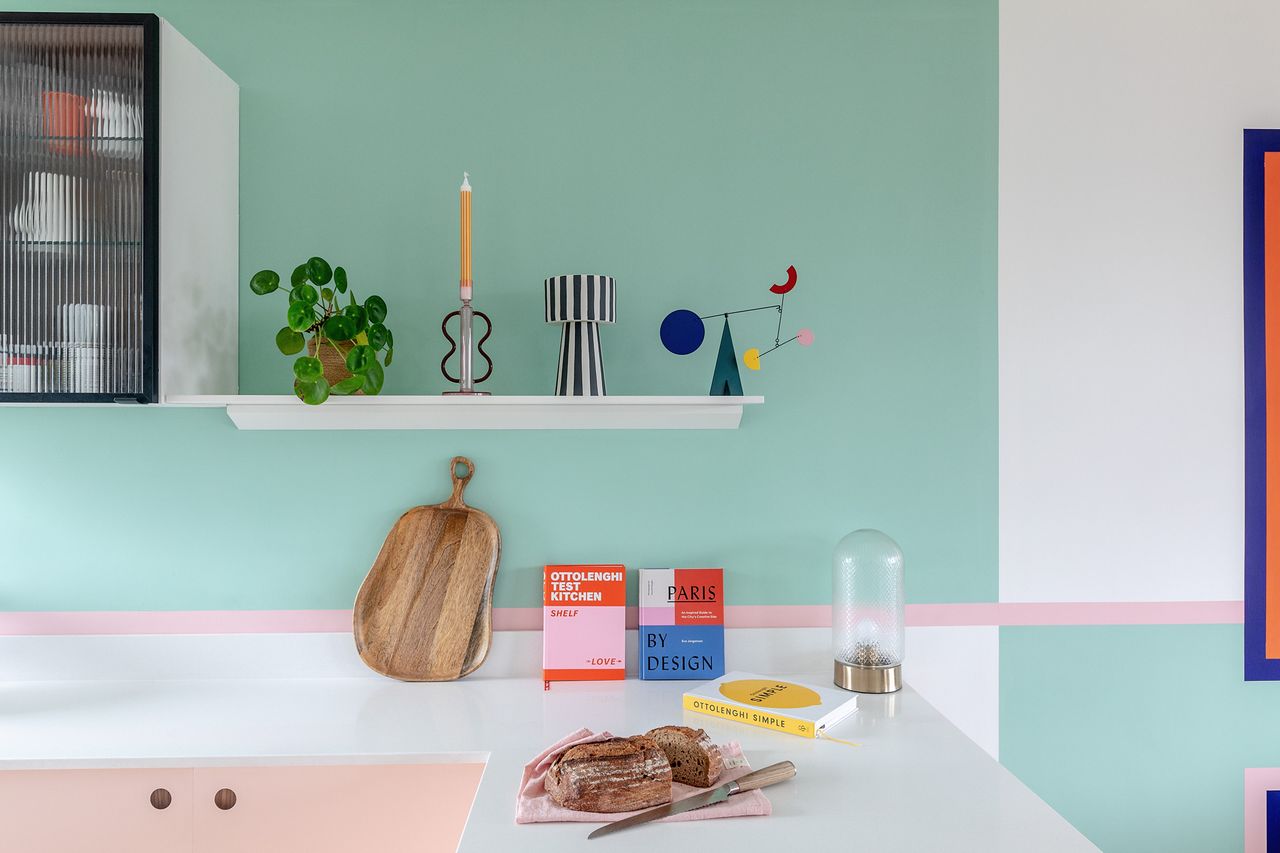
373, 378
298, 276
318, 270
300, 316
264, 281
306, 294
377, 308
358, 315
327, 294
359, 359
378, 336
308, 369
340, 279
313, 393
350, 385
387, 359
340, 327
289, 342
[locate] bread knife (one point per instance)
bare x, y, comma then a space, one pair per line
771, 775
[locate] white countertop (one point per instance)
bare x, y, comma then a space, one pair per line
916, 783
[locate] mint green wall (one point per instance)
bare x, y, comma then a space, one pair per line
1138, 735
692, 150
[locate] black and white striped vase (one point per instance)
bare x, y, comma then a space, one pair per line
580, 303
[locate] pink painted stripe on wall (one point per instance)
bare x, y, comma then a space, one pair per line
1102, 613
1008, 613
530, 618
175, 622
1257, 781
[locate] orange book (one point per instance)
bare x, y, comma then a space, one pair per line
584, 623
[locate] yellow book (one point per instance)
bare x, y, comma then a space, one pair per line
771, 703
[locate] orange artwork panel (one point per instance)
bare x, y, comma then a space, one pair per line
1271, 244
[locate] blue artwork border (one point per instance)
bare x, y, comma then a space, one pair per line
1257, 667
1273, 822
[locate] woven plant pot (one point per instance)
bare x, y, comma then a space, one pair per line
333, 355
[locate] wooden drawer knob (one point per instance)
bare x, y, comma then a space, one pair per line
224, 799
161, 798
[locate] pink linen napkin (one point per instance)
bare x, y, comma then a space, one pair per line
533, 803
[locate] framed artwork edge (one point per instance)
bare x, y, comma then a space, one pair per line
1257, 666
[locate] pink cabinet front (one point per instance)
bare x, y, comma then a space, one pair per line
316, 809
106, 811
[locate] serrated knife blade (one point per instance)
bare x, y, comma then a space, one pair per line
770, 775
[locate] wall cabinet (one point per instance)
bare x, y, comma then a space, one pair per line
119, 170
310, 809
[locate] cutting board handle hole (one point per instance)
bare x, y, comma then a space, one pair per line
461, 468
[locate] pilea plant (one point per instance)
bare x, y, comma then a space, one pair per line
355, 333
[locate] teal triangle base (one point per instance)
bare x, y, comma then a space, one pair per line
726, 382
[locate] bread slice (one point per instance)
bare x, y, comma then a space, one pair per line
616, 775
694, 759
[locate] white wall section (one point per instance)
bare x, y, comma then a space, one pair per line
1121, 402
957, 669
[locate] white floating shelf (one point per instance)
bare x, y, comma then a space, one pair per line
412, 412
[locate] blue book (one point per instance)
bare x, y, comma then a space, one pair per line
681, 624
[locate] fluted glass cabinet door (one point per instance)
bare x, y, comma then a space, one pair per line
78, 255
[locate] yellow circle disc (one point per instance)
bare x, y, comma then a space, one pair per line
751, 358
770, 693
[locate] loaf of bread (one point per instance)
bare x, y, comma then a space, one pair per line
616, 775
694, 759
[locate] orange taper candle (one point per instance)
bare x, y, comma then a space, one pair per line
465, 200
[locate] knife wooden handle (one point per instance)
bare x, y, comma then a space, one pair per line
771, 775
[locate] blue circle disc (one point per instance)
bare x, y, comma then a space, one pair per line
682, 332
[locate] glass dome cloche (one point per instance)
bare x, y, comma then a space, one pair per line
868, 620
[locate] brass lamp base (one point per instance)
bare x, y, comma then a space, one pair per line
868, 679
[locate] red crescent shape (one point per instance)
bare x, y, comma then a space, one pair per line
780, 289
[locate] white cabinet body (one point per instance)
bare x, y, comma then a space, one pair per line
199, 221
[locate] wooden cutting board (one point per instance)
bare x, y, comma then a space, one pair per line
425, 610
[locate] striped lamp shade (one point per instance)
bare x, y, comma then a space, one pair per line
580, 303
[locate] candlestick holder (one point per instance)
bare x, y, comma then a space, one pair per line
462, 346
